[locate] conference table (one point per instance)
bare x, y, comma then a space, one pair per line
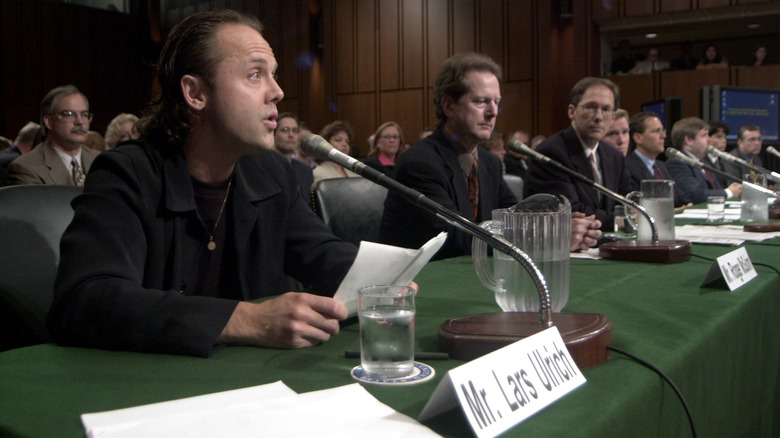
721, 348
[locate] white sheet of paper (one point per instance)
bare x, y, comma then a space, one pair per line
384, 264
266, 410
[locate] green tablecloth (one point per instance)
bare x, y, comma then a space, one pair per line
721, 348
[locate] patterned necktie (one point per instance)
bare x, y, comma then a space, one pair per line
474, 188
657, 172
78, 174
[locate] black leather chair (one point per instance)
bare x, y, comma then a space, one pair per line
32, 220
515, 184
351, 207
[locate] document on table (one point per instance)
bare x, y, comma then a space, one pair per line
720, 234
266, 410
384, 264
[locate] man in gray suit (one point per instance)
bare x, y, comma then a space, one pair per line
61, 158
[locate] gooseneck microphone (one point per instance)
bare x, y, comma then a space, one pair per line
773, 151
317, 147
742, 163
521, 148
679, 156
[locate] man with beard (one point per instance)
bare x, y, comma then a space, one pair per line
61, 158
592, 106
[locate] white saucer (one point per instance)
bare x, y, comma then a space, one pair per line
421, 373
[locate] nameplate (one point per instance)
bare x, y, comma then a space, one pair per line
505, 387
735, 268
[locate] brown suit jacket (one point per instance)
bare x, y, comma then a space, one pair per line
42, 165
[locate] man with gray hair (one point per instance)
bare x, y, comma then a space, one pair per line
61, 158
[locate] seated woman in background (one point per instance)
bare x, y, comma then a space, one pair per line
386, 147
121, 128
759, 56
339, 135
712, 59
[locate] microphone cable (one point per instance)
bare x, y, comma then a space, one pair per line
667, 379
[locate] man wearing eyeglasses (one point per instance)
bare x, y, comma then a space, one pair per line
286, 138
61, 158
645, 144
592, 106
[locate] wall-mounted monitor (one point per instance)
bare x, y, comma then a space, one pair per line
669, 110
739, 106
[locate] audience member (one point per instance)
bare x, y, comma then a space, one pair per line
339, 135
447, 166
496, 147
95, 141
177, 231
718, 133
759, 56
652, 64
712, 59
625, 60
536, 140
300, 155
592, 106
514, 163
748, 148
426, 132
618, 133
691, 136
121, 128
286, 142
646, 145
61, 158
686, 61
24, 143
386, 148
4, 143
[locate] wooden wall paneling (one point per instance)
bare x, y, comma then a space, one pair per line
492, 31
360, 111
343, 49
366, 52
402, 107
438, 37
603, 10
413, 43
767, 76
636, 90
289, 28
676, 5
517, 107
464, 24
640, 7
520, 42
687, 84
703, 4
389, 36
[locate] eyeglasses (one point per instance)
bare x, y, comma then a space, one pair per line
287, 129
752, 139
592, 109
70, 116
390, 137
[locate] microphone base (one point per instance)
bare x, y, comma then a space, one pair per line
762, 227
662, 251
586, 335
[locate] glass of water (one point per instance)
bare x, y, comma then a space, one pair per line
386, 314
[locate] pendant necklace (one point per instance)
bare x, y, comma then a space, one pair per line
212, 245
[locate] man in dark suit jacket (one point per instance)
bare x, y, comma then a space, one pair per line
441, 165
646, 143
748, 147
591, 110
691, 136
62, 158
286, 138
